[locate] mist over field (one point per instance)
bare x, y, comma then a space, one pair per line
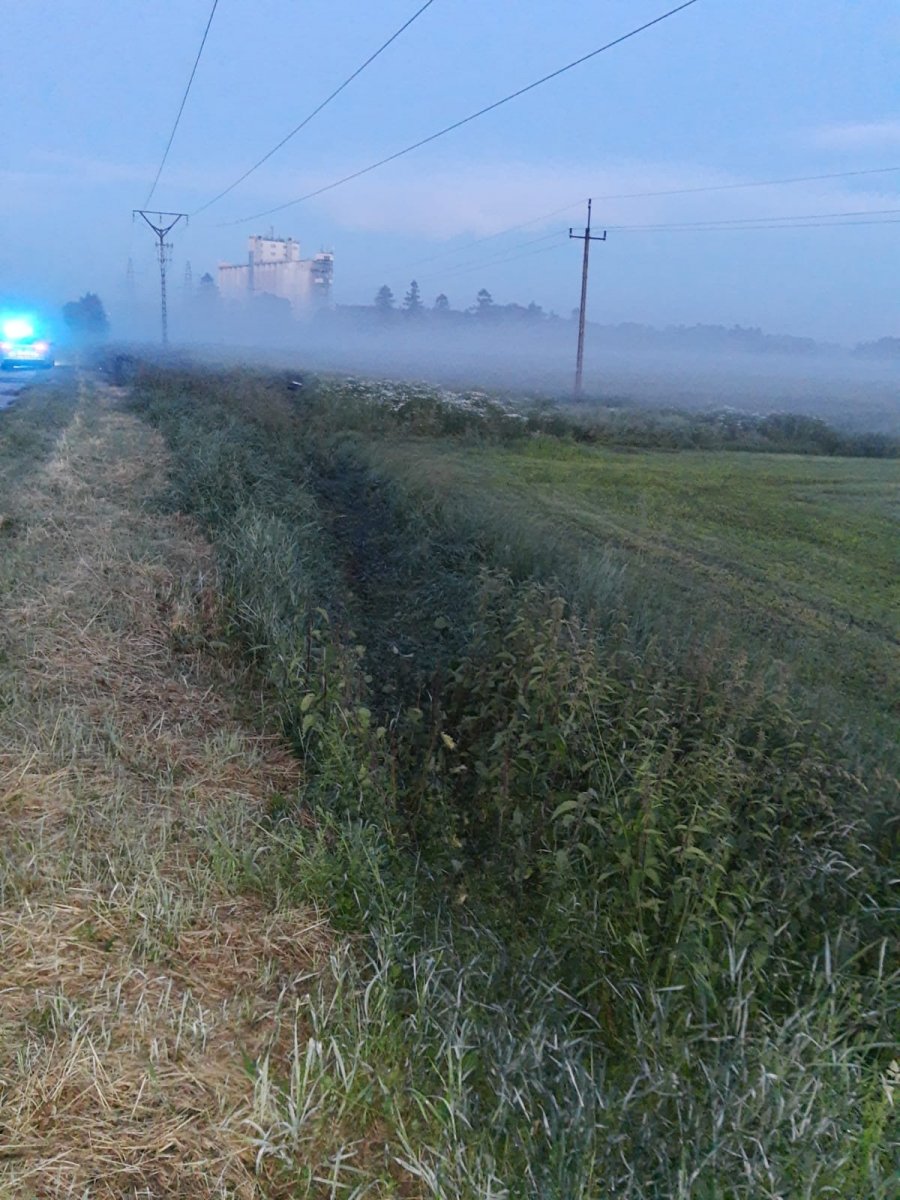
689, 368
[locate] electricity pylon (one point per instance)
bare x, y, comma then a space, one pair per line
161, 227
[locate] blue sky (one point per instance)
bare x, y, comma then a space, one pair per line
727, 91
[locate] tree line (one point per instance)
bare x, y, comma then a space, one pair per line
86, 317
484, 306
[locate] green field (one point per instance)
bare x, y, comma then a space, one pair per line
798, 553
566, 769
807, 535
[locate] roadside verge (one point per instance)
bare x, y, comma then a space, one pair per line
140, 996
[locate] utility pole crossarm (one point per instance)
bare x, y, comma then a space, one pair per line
587, 238
160, 229
165, 222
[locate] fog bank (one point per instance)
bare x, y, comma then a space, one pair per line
704, 367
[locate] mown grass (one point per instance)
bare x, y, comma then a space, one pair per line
626, 913
28, 432
29, 428
142, 997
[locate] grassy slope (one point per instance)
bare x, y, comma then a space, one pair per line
796, 551
174, 1017
138, 984
515, 807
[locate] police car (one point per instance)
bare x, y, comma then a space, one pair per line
22, 346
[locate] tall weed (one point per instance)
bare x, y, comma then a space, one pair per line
625, 926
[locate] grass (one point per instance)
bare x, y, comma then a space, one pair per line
353, 845
136, 986
818, 530
623, 910
28, 433
793, 554
625, 424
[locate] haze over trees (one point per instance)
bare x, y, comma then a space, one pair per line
702, 337
86, 318
384, 299
412, 301
886, 347
484, 306
484, 303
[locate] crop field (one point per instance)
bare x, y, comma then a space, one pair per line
795, 555
404, 797
817, 532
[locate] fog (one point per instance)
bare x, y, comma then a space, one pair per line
532, 355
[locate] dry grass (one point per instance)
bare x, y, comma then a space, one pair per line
135, 993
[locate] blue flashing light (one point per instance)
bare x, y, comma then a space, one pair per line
17, 329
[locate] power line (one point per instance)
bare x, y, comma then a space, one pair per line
504, 256
716, 223
501, 259
727, 187
748, 224
724, 227
183, 102
489, 237
466, 120
752, 228
315, 112
498, 262
509, 258
756, 183
480, 262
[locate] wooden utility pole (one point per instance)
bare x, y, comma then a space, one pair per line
161, 227
587, 239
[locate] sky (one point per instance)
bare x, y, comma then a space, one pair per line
725, 92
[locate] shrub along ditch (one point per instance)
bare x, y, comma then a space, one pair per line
625, 923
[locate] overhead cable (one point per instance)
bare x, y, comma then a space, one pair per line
836, 220
466, 120
747, 224
728, 187
501, 259
498, 262
183, 102
315, 112
833, 224
545, 237
714, 222
563, 239
717, 187
489, 237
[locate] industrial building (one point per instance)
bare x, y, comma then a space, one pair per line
274, 267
